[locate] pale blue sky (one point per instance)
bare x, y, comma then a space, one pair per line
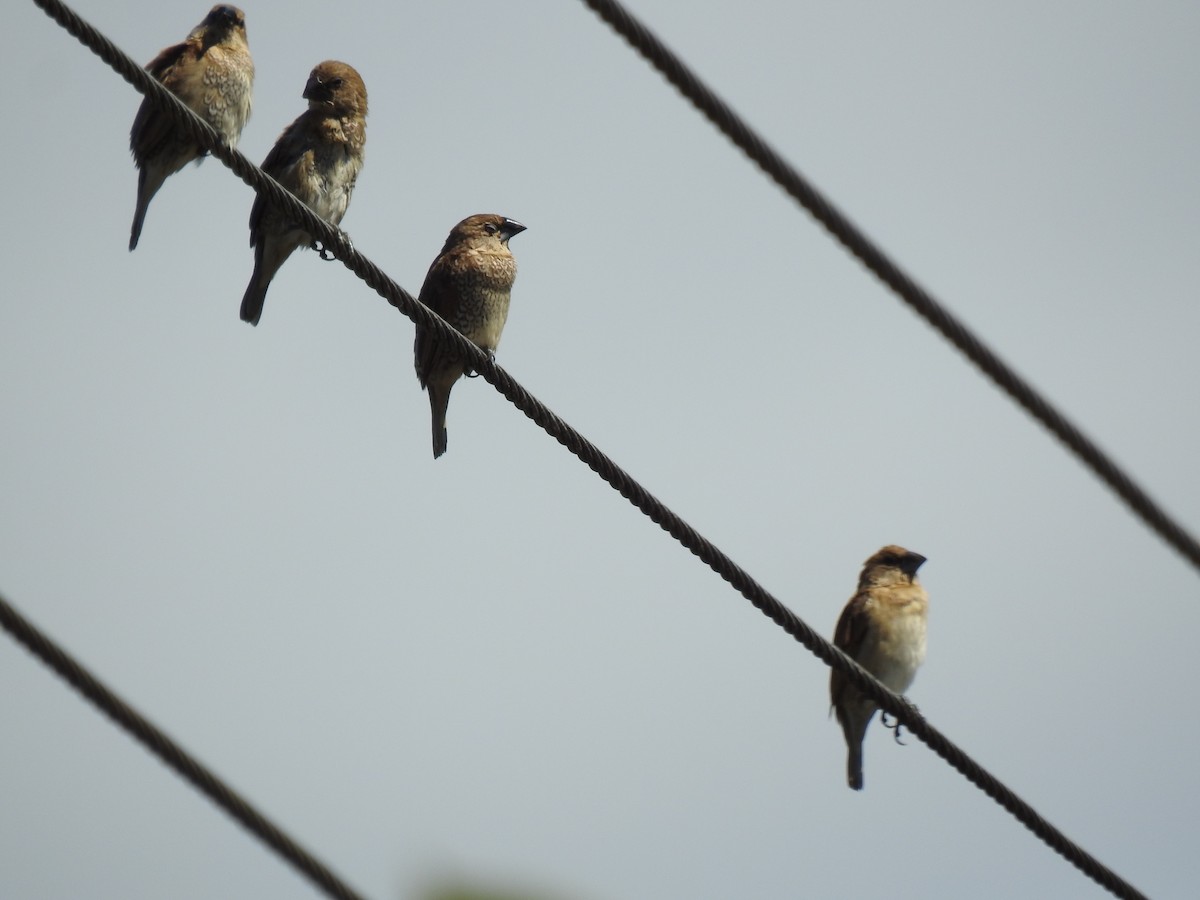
491, 666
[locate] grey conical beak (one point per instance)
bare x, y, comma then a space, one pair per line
913, 562
510, 229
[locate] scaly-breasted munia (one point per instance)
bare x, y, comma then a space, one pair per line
211, 72
468, 285
317, 158
882, 628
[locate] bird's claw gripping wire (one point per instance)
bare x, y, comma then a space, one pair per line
491, 355
895, 728
324, 252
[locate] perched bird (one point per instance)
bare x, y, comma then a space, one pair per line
212, 73
468, 285
317, 158
882, 628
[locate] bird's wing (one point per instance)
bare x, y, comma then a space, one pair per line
281, 164
151, 129
848, 637
435, 294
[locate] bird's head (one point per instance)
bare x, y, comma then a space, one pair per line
221, 21
336, 87
889, 565
483, 230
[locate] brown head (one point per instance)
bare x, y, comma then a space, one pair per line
337, 88
890, 565
486, 231
221, 22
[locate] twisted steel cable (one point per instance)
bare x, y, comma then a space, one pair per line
186, 765
921, 301
335, 242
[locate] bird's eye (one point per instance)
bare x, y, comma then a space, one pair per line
335, 83
491, 227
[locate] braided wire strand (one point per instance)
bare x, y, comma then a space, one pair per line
162, 746
336, 242
874, 259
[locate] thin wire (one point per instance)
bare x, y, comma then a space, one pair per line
921, 301
187, 766
336, 243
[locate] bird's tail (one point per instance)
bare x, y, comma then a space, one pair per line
254, 299
854, 716
854, 763
270, 252
439, 402
148, 184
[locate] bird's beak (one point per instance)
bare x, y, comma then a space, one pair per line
311, 87
510, 229
913, 562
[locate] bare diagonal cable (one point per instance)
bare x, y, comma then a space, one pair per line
186, 765
335, 241
921, 301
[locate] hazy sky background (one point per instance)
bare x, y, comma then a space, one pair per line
491, 667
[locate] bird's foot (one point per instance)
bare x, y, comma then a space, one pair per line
471, 373
894, 726
325, 253
912, 708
